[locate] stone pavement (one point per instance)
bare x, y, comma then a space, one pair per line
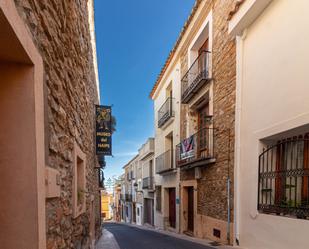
107, 241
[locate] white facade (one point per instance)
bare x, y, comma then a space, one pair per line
272, 104
166, 138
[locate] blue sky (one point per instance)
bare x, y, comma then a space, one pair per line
134, 38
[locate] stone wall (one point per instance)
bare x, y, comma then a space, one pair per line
60, 30
212, 187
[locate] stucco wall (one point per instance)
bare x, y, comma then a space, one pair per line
273, 78
60, 30
167, 180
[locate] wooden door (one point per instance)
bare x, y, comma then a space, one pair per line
172, 207
148, 211
203, 131
190, 209
134, 212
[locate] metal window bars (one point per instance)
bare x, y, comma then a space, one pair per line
283, 179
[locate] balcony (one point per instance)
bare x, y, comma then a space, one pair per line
196, 77
148, 183
196, 150
128, 197
165, 112
147, 149
164, 162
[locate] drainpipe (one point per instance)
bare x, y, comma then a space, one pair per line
228, 210
229, 192
239, 81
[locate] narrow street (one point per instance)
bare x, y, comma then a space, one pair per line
129, 237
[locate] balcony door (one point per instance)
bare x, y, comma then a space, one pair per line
202, 61
169, 145
203, 131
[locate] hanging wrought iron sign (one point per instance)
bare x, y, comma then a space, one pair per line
103, 130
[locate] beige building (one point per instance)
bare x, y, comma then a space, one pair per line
107, 201
146, 157
48, 181
130, 193
116, 206
199, 74
272, 124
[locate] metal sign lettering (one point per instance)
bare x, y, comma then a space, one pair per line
103, 130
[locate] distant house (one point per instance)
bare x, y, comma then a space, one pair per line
106, 205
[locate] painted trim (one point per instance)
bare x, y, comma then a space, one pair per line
208, 22
23, 35
249, 11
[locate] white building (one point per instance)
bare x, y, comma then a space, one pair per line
272, 124
166, 96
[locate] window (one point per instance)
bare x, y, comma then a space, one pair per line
158, 198
139, 186
284, 178
79, 182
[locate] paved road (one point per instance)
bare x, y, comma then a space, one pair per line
129, 237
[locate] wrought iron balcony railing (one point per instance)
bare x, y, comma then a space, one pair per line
283, 184
148, 183
165, 112
196, 77
164, 162
196, 149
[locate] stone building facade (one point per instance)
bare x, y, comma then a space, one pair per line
210, 177
206, 55
60, 36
